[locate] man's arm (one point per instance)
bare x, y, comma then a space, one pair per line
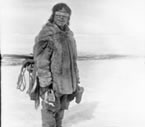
75, 62
42, 51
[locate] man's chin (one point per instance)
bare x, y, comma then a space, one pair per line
61, 25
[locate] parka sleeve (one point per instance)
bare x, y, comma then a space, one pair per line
75, 62
42, 52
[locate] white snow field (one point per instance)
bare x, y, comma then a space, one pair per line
114, 96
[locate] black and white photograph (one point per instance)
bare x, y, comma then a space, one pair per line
72, 63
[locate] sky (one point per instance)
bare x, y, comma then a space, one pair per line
99, 26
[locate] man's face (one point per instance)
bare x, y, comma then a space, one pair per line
61, 18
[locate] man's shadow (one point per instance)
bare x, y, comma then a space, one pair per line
79, 113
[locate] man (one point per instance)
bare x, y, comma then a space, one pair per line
55, 59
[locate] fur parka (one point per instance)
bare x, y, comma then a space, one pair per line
55, 57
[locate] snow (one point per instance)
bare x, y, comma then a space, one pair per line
114, 96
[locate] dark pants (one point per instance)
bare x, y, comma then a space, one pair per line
52, 116
52, 119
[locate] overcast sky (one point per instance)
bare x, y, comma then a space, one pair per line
99, 26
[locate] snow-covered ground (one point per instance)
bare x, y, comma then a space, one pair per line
114, 96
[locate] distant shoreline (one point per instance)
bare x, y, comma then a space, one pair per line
15, 59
